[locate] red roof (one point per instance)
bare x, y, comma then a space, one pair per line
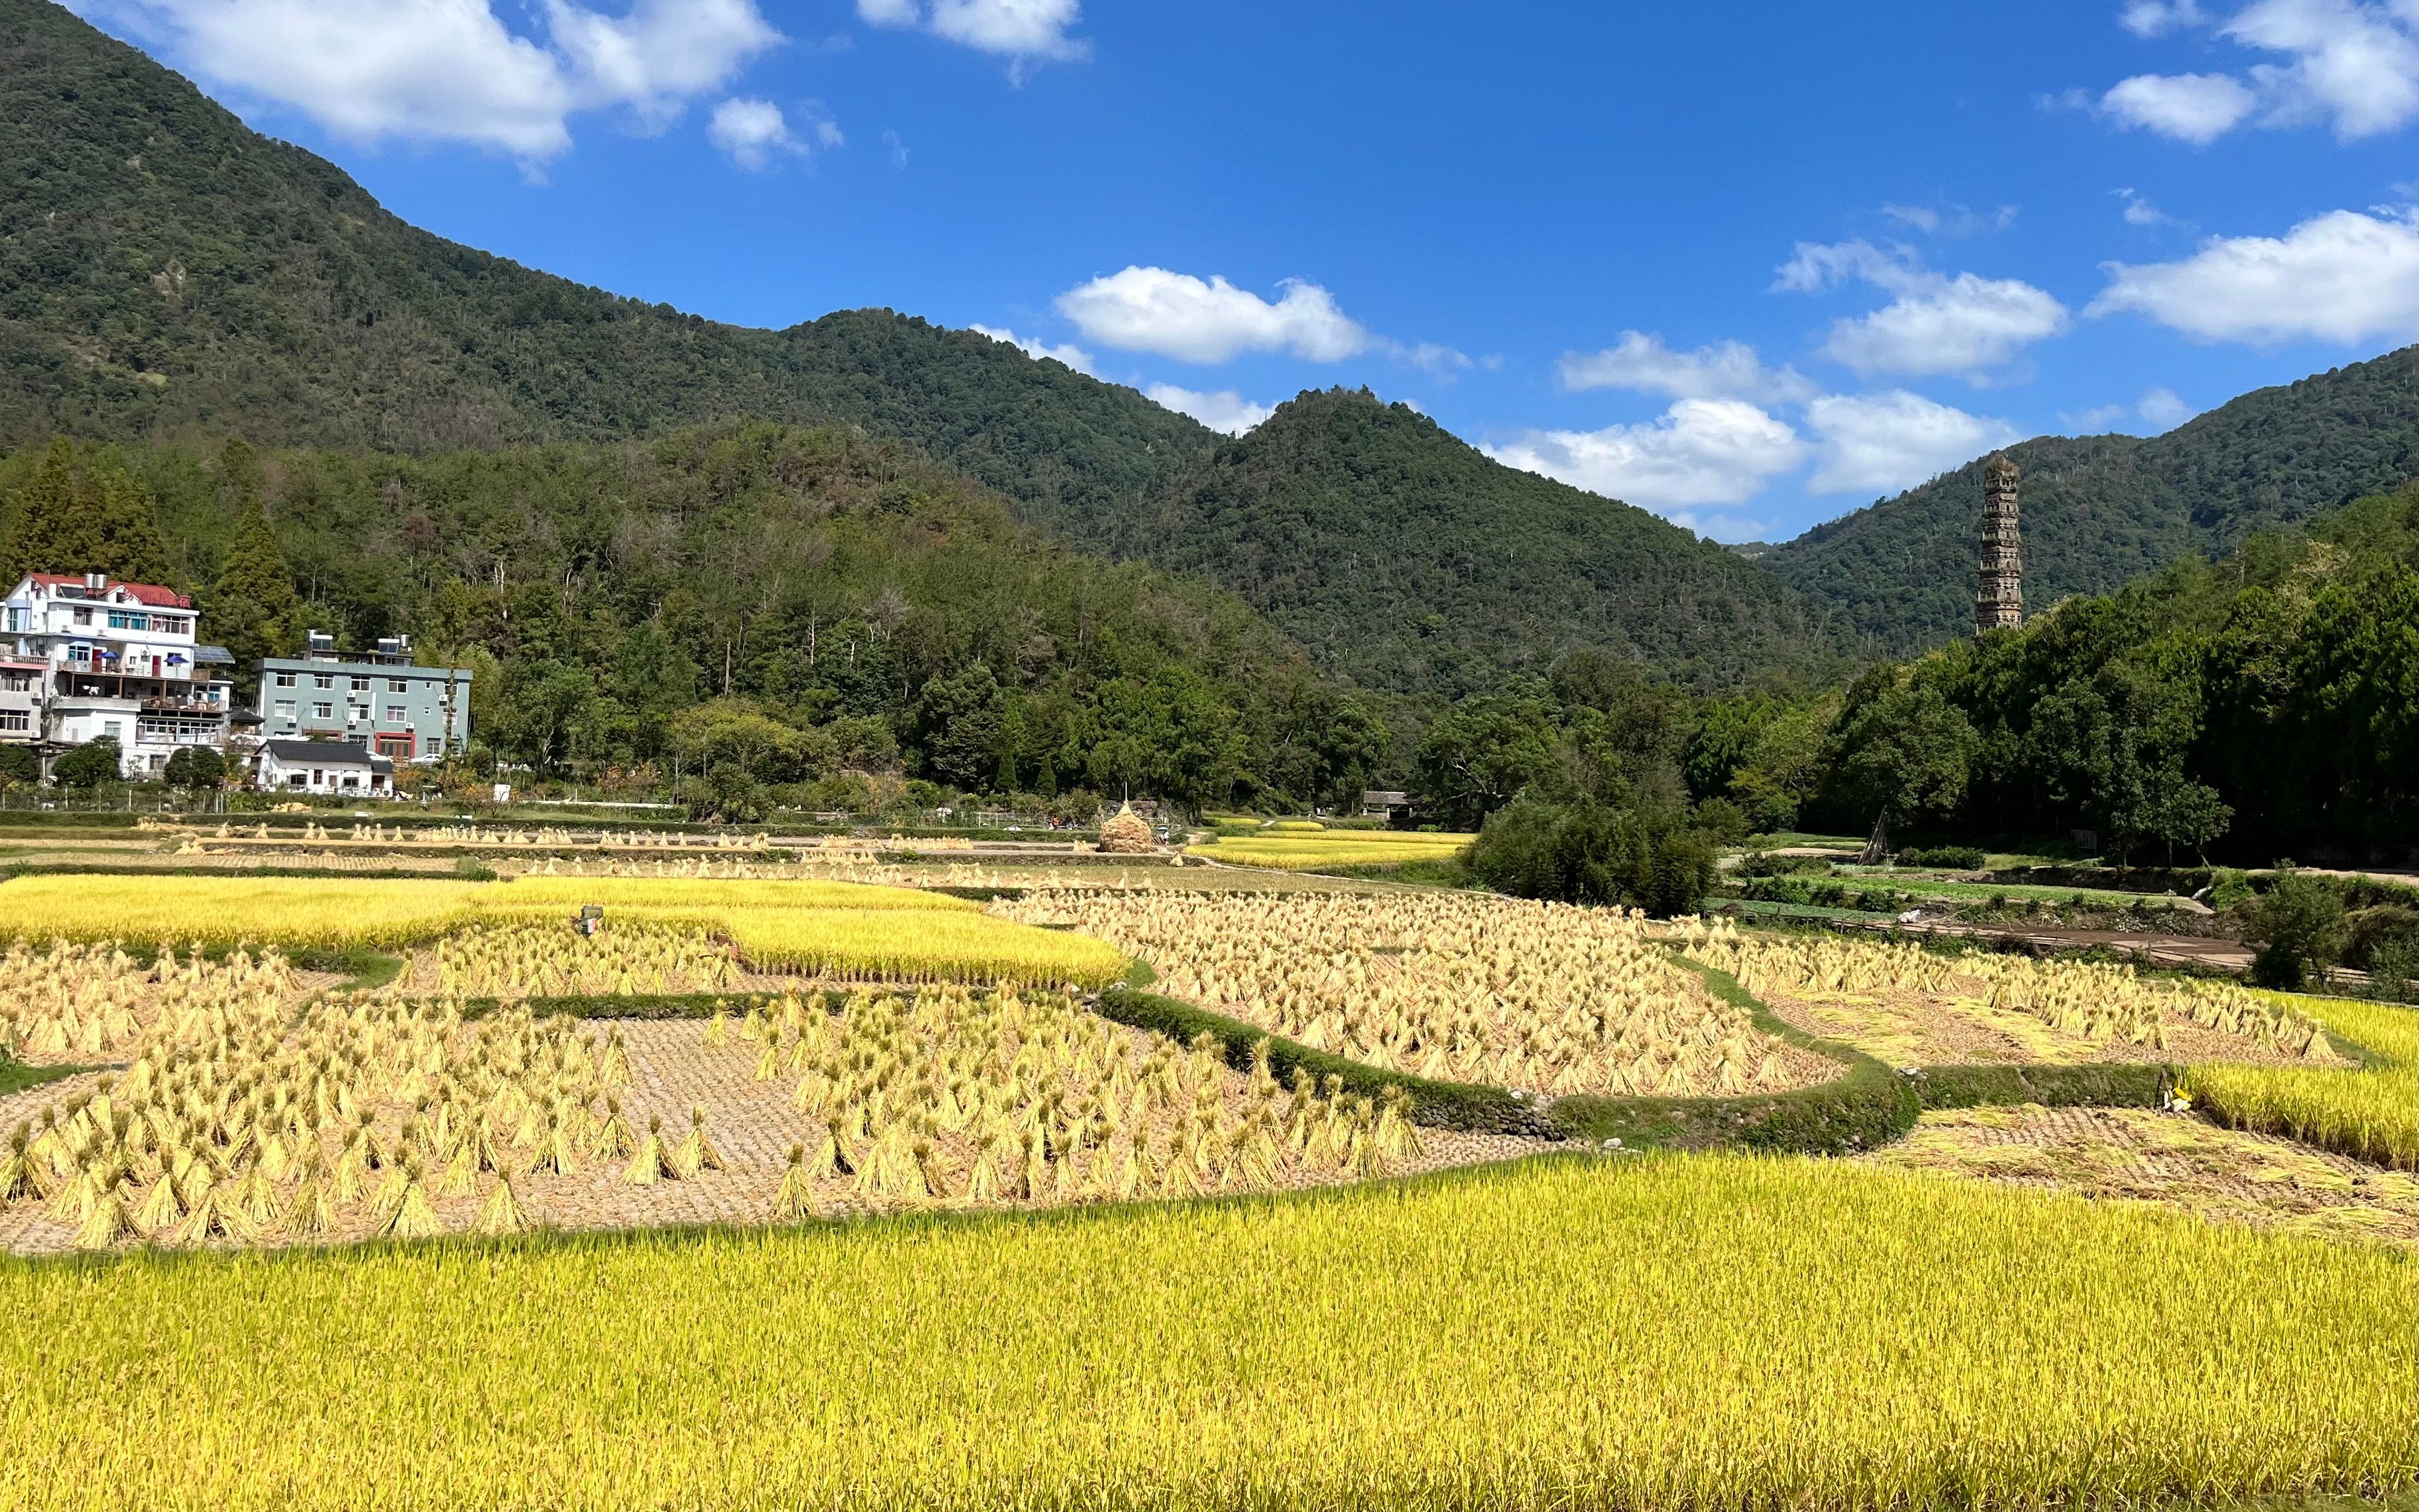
151, 593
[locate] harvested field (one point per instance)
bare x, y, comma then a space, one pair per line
1546, 999
1910, 1006
752, 1125
2177, 1161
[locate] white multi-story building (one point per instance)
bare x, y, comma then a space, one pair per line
104, 659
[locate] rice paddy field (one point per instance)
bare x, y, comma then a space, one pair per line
2371, 1113
1299, 850
1852, 1338
834, 1196
848, 929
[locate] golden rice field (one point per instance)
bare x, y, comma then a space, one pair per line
2371, 1113
249, 1115
1708, 1332
1449, 986
1307, 852
838, 929
2106, 1005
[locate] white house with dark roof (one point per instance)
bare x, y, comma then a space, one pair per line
322, 767
106, 659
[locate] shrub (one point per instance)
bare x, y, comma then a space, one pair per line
87, 766
1583, 852
1950, 857
19, 767
1723, 821
195, 766
2370, 930
2299, 926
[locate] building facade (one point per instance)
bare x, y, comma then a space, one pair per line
340, 767
380, 700
103, 659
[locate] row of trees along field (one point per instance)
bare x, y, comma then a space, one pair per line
773, 615
2260, 707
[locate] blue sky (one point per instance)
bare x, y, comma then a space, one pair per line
1748, 265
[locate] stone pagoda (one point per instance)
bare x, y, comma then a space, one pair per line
2000, 596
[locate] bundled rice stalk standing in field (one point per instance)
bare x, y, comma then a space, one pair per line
1018, 1097
242, 1117
2097, 1002
1547, 997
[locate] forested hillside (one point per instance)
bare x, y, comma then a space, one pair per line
1405, 558
801, 615
2266, 707
2102, 510
167, 272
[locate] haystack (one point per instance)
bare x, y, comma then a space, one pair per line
1126, 833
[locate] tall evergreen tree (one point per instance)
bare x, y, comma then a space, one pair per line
252, 609
130, 546
54, 528
89, 519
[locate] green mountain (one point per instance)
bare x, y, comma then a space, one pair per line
169, 276
1407, 560
2102, 510
167, 272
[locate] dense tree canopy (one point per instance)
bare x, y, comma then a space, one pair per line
757, 610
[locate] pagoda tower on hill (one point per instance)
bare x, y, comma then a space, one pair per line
2000, 596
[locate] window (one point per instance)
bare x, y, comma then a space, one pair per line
323, 682
285, 710
84, 616
16, 681
360, 684
323, 711
122, 620
15, 722
285, 679
110, 729
293, 779
396, 685
396, 714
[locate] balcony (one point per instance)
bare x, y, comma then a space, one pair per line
183, 705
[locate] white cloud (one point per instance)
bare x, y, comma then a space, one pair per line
2097, 421
1881, 443
754, 130
1937, 324
449, 70
2191, 107
2140, 211
1699, 452
1428, 357
2164, 410
2155, 18
1020, 30
1073, 356
662, 52
2343, 277
1225, 410
2354, 63
1177, 315
1726, 370
2160, 409
1954, 220
2357, 63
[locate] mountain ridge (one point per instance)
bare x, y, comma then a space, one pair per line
2100, 511
168, 274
